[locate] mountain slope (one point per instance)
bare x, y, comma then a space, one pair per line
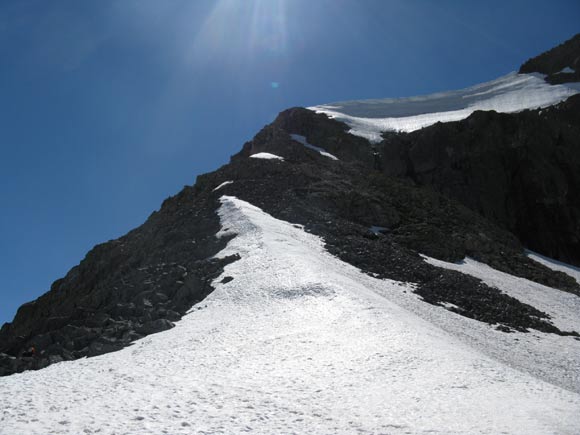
142, 282
560, 64
123, 290
297, 341
319, 280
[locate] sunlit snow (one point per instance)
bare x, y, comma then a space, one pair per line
563, 307
510, 93
225, 183
298, 342
302, 139
266, 156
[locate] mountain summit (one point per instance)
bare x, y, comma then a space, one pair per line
383, 266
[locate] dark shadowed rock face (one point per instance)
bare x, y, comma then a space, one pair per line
124, 289
557, 62
521, 171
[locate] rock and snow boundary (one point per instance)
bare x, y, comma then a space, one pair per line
302, 140
296, 342
266, 156
510, 93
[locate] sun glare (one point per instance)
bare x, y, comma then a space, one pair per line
239, 31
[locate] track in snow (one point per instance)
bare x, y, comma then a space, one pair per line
298, 342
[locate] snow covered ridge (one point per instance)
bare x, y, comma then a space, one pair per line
510, 93
300, 342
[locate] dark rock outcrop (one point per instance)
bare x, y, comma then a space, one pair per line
560, 64
124, 289
340, 200
521, 171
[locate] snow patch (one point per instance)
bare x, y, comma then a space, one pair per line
266, 156
302, 139
510, 93
225, 183
450, 306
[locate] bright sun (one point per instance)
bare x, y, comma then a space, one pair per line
243, 29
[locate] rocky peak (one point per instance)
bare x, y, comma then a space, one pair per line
561, 64
485, 187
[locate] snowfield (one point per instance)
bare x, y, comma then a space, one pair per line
510, 93
300, 342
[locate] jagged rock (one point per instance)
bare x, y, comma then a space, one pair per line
53, 359
130, 335
90, 311
103, 345
155, 326
124, 311
518, 170
8, 364
564, 57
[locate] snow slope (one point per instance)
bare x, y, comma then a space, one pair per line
510, 93
297, 342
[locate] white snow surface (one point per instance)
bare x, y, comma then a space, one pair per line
510, 93
266, 156
298, 342
302, 139
225, 183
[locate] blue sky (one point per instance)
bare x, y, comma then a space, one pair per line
108, 107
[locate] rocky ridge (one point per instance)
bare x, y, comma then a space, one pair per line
518, 170
561, 64
123, 290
